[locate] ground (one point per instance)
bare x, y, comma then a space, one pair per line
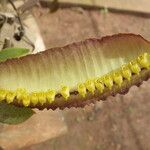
120, 123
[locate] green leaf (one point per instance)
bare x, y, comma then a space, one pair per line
9, 53
11, 114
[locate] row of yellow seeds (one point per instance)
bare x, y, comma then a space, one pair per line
22, 96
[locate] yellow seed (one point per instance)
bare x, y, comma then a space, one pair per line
117, 77
34, 98
126, 73
134, 67
26, 100
108, 81
99, 85
90, 86
41, 97
82, 89
65, 92
50, 95
20, 93
144, 60
2, 95
10, 97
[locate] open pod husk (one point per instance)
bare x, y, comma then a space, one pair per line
77, 74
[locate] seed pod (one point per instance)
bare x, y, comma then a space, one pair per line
76, 74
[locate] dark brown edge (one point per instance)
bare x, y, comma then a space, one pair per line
100, 40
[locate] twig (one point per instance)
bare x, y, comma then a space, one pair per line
21, 34
18, 15
47, 3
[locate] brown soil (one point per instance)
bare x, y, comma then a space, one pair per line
120, 123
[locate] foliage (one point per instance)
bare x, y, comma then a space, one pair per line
9, 53
10, 114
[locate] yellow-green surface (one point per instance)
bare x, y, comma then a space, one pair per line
70, 65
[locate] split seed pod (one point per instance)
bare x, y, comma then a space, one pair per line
77, 74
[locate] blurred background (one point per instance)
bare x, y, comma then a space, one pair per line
120, 123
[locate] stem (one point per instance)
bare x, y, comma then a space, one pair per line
18, 15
